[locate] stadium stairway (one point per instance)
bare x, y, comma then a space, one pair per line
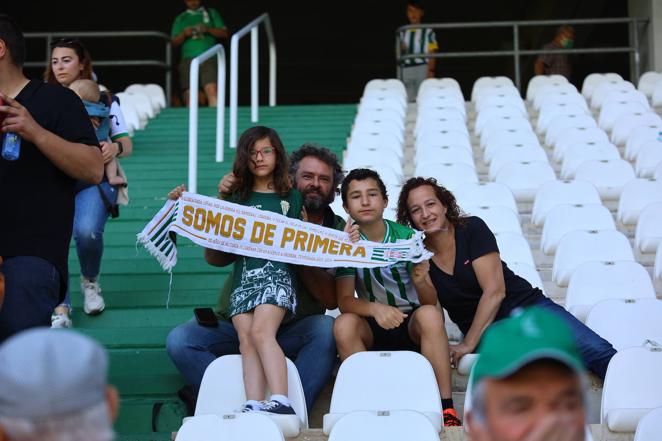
138, 317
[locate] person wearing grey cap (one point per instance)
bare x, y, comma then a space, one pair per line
528, 383
47, 394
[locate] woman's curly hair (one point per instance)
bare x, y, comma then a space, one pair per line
453, 212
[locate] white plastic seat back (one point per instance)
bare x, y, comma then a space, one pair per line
449, 175
388, 425
539, 81
513, 248
550, 111
496, 122
489, 193
579, 153
638, 321
498, 218
383, 101
650, 426
561, 123
222, 390
628, 122
431, 85
577, 135
527, 272
485, 82
656, 98
608, 176
638, 137
593, 282
613, 110
577, 247
391, 85
231, 427
515, 153
562, 219
556, 193
357, 386
657, 175
605, 88
637, 194
551, 89
633, 96
493, 112
632, 388
657, 268
156, 94
494, 127
525, 178
648, 234
524, 136
379, 127
443, 99
592, 81
445, 155
378, 115
449, 121
442, 136
647, 82
648, 159
510, 99
363, 158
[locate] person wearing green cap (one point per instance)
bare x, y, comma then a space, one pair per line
528, 383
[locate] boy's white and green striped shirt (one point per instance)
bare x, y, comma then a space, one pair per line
418, 41
390, 285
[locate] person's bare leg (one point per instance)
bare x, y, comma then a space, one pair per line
211, 91
254, 381
352, 333
427, 329
266, 321
111, 172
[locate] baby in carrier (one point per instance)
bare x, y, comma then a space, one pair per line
99, 113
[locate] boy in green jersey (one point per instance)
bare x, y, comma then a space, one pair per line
396, 308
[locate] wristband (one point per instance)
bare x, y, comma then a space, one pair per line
120, 148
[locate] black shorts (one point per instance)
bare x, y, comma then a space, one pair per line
396, 339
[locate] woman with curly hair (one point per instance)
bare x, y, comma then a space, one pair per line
473, 284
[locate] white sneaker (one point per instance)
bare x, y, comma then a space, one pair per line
94, 303
60, 320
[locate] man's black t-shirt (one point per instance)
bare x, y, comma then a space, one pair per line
460, 293
37, 198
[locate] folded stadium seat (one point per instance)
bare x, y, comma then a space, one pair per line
441, 120
552, 89
379, 127
450, 98
501, 99
487, 193
499, 219
384, 425
561, 123
222, 392
638, 321
432, 85
527, 272
232, 427
372, 141
594, 80
514, 248
375, 113
577, 135
525, 178
488, 81
577, 247
449, 175
648, 158
495, 122
141, 89
498, 111
562, 219
381, 101
539, 81
498, 126
444, 155
554, 193
639, 136
636, 195
632, 387
648, 234
358, 388
515, 153
656, 98
439, 137
650, 426
518, 137
657, 268
608, 176
569, 97
134, 118
549, 111
627, 96
613, 110
579, 153
156, 94
370, 152
391, 85
607, 87
593, 282
647, 82
393, 98
627, 122
142, 103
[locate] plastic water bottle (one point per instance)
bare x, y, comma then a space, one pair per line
11, 146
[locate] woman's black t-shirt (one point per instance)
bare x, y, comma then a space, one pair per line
460, 293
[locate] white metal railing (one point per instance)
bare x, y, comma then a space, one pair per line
219, 51
234, 71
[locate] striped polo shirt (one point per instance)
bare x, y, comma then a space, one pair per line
417, 41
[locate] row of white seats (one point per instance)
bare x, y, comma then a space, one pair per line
140, 103
650, 85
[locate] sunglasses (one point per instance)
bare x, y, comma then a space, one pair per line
66, 42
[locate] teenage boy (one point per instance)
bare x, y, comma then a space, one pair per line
416, 41
396, 308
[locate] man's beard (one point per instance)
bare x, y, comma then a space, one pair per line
317, 201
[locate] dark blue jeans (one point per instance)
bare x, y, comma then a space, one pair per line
32, 290
595, 350
308, 342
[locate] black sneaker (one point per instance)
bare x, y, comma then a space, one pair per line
275, 407
247, 408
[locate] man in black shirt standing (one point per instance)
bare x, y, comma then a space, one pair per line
58, 147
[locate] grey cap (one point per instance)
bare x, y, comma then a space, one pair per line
45, 372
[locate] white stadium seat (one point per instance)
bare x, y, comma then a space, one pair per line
569, 97
577, 247
516, 153
604, 89
657, 268
432, 85
446, 99
552, 89
608, 176
490, 193
657, 175
579, 153
527, 272
445, 155
503, 111
391, 85
381, 101
222, 392
648, 234
656, 98
499, 121
499, 219
380, 114
648, 159
450, 121
441, 136
556, 193
627, 96
637, 194
379, 127
494, 127
613, 110
632, 387
550, 111
230, 427
449, 175
593, 282
562, 219
540, 80
524, 136
486, 95
385, 425
648, 81
510, 99
358, 388
483, 82
637, 138
156, 94
375, 141
525, 178
650, 426
367, 158
593, 80
513, 248
561, 123
577, 135
638, 321
628, 122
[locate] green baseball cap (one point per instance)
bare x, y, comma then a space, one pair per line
530, 334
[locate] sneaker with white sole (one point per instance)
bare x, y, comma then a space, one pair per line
60, 320
275, 407
93, 303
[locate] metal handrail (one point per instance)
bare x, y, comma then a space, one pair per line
165, 65
219, 51
234, 71
516, 52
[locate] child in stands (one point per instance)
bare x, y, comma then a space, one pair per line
413, 42
396, 308
263, 291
